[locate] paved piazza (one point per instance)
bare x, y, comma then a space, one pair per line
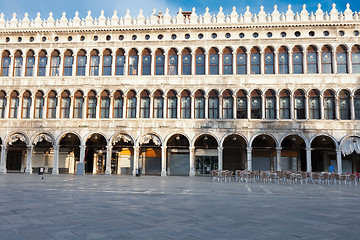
149, 207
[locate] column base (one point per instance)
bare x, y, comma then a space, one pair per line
163, 174
107, 172
2, 171
55, 172
192, 173
28, 171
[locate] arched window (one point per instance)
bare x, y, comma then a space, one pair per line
186, 61
105, 104
255, 60
355, 57
213, 104
146, 62
55, 63
172, 104
42, 63
65, 104
159, 62
270, 104
94, 63
241, 61
52, 103
18, 64
199, 104
269, 61
131, 104
344, 105
299, 104
78, 104
107, 62
68, 63
284, 104
326, 59
341, 59
314, 104
228, 105
5, 64
329, 104
118, 104
283, 60
30, 62
357, 104
312, 61
158, 104
256, 104
133, 62
39, 104
173, 62
91, 104
2, 104
297, 58
227, 61
241, 104
200, 61
185, 104
26, 104
145, 104
81, 63
120, 62
14, 104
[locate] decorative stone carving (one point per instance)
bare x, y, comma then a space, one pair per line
122, 137
148, 137
42, 137
16, 137
350, 145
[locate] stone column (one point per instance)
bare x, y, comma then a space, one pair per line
151, 115
178, 103
61, 64
113, 64
23, 66
72, 107
126, 64
220, 158
234, 63
263, 106
152, 64
82, 153
206, 62
338, 161
139, 72
276, 62
307, 107
278, 159
166, 64
220, 107
318, 61
28, 159
55, 169
334, 62
87, 65
248, 106
20, 107
248, 63
165, 113
249, 158
108, 159
304, 62
277, 106
7, 106
291, 70
101, 60
308, 160
192, 106
206, 106
111, 106
179, 63
3, 159
35, 66
136, 159
193, 64
137, 111
349, 61
163, 161
98, 103
220, 63
262, 62
234, 106
192, 162
321, 99
32, 108
352, 107
292, 107
337, 108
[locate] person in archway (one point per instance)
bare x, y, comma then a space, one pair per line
331, 168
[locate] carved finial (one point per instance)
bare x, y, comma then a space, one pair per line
14, 15
193, 9
154, 11
333, 6
275, 8
304, 14
89, 13
234, 17
76, 14
207, 16
102, 12
348, 14
247, 9
262, 14
261, 8
334, 14
275, 15
319, 14
220, 9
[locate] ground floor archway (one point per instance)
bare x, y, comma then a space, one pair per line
178, 155
206, 154
323, 153
234, 153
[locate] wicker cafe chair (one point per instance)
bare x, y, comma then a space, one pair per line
352, 179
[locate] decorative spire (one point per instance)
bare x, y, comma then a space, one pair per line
140, 18
275, 15
262, 14
348, 14
220, 16
234, 17
26, 22
334, 14
114, 19
289, 14
193, 16
127, 18
207, 16
247, 15
304, 14
180, 17
167, 17
319, 13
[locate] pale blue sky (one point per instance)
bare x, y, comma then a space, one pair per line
70, 6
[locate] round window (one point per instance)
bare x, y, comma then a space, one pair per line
326, 33
201, 36
255, 35
134, 37
283, 34
187, 36
214, 35
241, 35
269, 34
121, 37
173, 36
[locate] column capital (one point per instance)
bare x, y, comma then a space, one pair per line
249, 149
163, 147
308, 149
278, 149
220, 148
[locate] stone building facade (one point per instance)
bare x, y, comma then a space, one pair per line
181, 95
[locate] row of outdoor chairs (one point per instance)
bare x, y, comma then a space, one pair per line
224, 175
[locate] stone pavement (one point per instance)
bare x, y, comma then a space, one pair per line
125, 207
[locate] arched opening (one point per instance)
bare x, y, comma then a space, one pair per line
297, 60
95, 154
227, 61
65, 104
255, 60
200, 61
16, 154
355, 58
228, 104
68, 62
52, 104
145, 104
270, 104
81, 63
131, 104
341, 59
326, 59
172, 104
122, 160
39, 104
146, 62
26, 104
263, 153
69, 153
118, 104
350, 148
314, 104
283, 58
78, 104
107, 62
120, 62
312, 60
241, 104
2, 103
94, 63
42, 63
158, 104
256, 104
18, 64
344, 105
293, 154
185, 106
55, 63
173, 62
241, 61
43, 153
14, 104
299, 104
133, 62
91, 104
323, 153
213, 104
284, 104
5, 63
150, 155
234, 153
105, 104
269, 60
159, 62
199, 104
186, 61
178, 155
329, 104
206, 153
